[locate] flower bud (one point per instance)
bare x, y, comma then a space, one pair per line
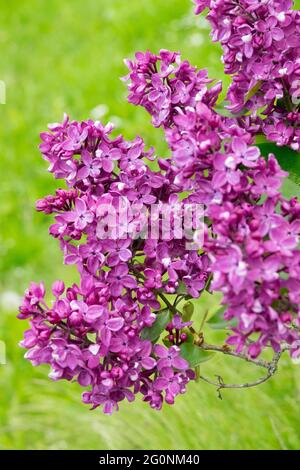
58, 288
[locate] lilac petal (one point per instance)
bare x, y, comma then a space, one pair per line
121, 270
80, 224
129, 395
83, 173
160, 384
68, 217
148, 363
238, 146
106, 336
71, 259
115, 154
93, 265
180, 363
113, 259
80, 205
116, 289
219, 179
84, 378
86, 157
278, 234
109, 406
72, 361
107, 165
174, 388
115, 324
248, 50
253, 153
164, 362
167, 372
147, 348
291, 242
160, 351
233, 177
94, 312
134, 152
129, 282
277, 34
125, 254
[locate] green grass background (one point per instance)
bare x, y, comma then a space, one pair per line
66, 56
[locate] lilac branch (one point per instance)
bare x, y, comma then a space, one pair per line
271, 368
229, 352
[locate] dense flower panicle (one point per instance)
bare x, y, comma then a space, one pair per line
261, 44
92, 332
163, 84
252, 232
95, 331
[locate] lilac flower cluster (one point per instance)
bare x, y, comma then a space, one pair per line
93, 332
261, 44
252, 232
106, 331
163, 84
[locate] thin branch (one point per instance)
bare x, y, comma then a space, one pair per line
220, 384
229, 352
166, 301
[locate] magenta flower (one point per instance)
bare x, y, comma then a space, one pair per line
270, 30
286, 235
106, 331
260, 41
75, 137
169, 358
269, 185
107, 326
279, 133
248, 156
118, 252
120, 279
81, 216
58, 288
143, 356
177, 323
91, 166
243, 40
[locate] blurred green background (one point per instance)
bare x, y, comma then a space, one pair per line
67, 56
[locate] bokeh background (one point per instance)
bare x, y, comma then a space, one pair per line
67, 56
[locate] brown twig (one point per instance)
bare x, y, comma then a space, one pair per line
229, 352
271, 368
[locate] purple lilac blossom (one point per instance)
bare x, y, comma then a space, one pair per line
252, 232
261, 50
92, 331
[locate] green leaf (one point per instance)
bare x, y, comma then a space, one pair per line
153, 332
290, 189
187, 311
217, 322
92, 337
181, 288
289, 160
222, 109
197, 372
190, 337
194, 354
252, 92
